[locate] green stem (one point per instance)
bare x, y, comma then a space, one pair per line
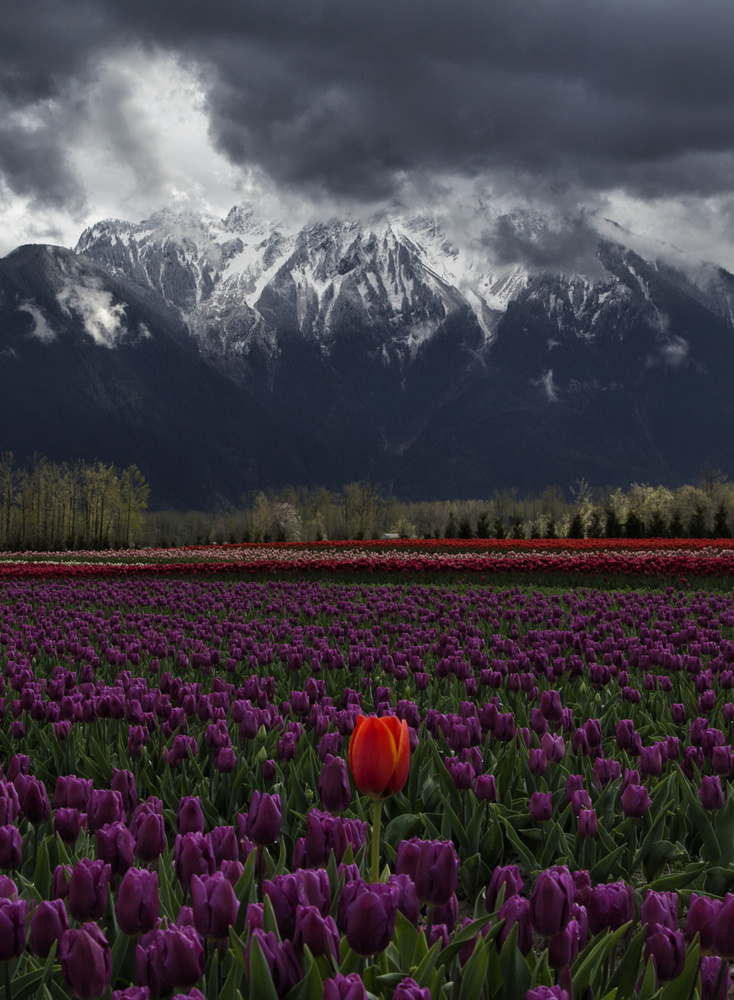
8, 988
376, 828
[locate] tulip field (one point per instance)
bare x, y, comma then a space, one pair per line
387, 770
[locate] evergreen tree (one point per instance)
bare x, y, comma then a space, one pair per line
676, 526
465, 528
516, 528
483, 525
612, 526
452, 529
550, 528
635, 526
594, 529
576, 527
697, 523
499, 528
721, 523
658, 528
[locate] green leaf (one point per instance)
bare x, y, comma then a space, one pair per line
625, 976
516, 975
261, 982
724, 825
402, 828
647, 990
231, 983
585, 969
681, 988
475, 971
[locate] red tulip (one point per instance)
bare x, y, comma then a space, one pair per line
379, 755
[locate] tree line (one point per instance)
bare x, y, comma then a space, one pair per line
362, 510
45, 506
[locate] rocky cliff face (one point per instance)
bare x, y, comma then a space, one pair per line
235, 354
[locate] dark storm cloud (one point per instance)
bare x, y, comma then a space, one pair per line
349, 99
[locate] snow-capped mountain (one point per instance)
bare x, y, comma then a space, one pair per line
441, 359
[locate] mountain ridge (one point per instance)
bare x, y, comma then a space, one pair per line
226, 355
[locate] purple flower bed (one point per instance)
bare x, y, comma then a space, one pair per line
177, 816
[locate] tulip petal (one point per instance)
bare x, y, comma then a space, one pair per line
372, 756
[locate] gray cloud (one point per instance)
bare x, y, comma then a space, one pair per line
356, 101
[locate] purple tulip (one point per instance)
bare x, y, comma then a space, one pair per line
224, 844
507, 876
408, 989
48, 922
610, 905
342, 987
137, 903
563, 947
700, 919
304, 887
723, 932
13, 914
551, 899
326, 833
34, 801
408, 903
115, 847
67, 823
72, 792
537, 761
588, 826
285, 969
214, 904
225, 760
369, 916
149, 832
547, 993
11, 847
712, 976
334, 790
263, 818
169, 959
316, 931
711, 793
433, 865
485, 788
9, 804
540, 806
86, 961
651, 761
88, 889
668, 950
635, 801
104, 806
189, 817
660, 908
516, 910
124, 783
192, 855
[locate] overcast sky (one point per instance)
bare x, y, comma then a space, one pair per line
588, 108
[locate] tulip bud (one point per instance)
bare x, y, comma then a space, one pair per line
137, 903
11, 847
86, 961
711, 793
334, 790
700, 918
48, 922
214, 904
189, 817
115, 847
369, 920
408, 989
551, 899
88, 889
285, 968
13, 914
540, 806
263, 818
342, 987
507, 876
668, 950
635, 801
